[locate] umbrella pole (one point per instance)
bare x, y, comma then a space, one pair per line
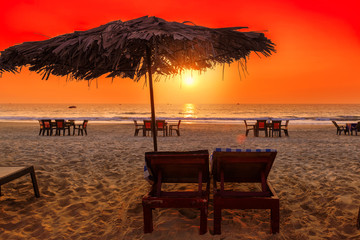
148, 56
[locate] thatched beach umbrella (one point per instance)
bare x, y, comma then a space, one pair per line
133, 48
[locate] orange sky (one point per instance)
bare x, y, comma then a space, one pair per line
317, 59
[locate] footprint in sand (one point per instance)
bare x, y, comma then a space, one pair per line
189, 213
136, 209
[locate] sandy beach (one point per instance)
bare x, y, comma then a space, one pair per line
91, 186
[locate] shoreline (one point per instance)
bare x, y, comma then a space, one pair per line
190, 122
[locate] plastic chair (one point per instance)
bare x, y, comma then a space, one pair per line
249, 127
175, 127
340, 129
47, 127
285, 128
261, 125
138, 127
81, 128
61, 126
41, 127
355, 128
147, 128
161, 127
275, 128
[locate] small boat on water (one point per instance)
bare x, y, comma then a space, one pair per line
72, 106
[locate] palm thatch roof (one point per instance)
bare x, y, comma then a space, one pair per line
119, 49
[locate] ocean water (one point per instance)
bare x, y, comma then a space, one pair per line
188, 113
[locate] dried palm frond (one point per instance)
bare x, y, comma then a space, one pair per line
118, 49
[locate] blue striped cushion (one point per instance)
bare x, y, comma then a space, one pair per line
147, 176
243, 150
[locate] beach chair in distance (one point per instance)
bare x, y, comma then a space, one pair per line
285, 128
8, 174
175, 127
239, 166
339, 129
275, 127
248, 128
61, 126
70, 123
138, 127
47, 127
161, 127
41, 127
172, 168
261, 126
81, 128
355, 129
147, 128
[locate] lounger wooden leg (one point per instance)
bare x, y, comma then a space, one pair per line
148, 223
203, 220
34, 182
275, 218
217, 220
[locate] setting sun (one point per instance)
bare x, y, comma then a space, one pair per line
189, 81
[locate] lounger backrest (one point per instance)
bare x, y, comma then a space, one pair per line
242, 166
179, 167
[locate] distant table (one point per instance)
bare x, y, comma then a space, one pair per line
68, 124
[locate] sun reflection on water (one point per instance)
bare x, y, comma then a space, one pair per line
189, 110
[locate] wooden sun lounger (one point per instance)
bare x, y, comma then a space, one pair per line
8, 174
177, 167
247, 166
